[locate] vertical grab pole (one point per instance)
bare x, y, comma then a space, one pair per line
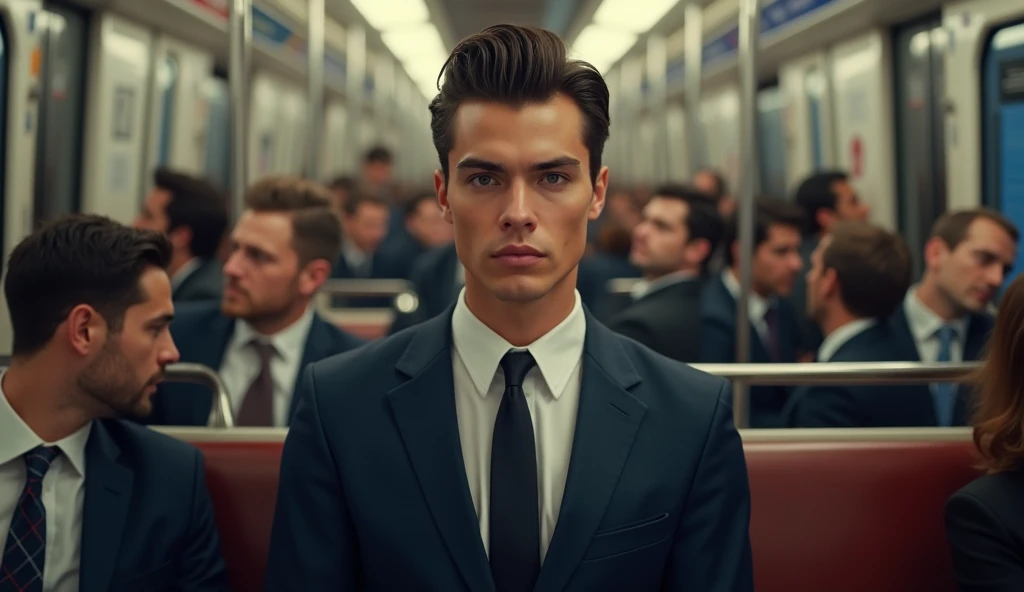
315, 78
240, 52
694, 63
749, 26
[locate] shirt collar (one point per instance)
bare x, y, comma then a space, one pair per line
924, 323
289, 342
184, 271
557, 353
353, 255
756, 306
644, 288
841, 336
18, 438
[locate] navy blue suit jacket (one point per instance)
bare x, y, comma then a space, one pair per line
979, 328
864, 406
718, 346
374, 494
206, 282
148, 520
433, 278
202, 334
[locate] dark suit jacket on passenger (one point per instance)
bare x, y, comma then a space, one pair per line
206, 282
381, 268
433, 277
985, 528
839, 406
595, 271
666, 320
374, 493
148, 521
202, 334
718, 346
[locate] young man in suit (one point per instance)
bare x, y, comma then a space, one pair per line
514, 442
774, 334
264, 330
89, 502
193, 214
859, 274
678, 232
945, 317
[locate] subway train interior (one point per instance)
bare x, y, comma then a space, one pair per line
918, 103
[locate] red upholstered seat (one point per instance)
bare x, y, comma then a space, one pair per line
827, 517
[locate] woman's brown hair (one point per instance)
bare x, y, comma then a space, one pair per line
999, 416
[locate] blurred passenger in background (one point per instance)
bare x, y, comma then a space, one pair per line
364, 225
437, 277
341, 188
859, 275
985, 519
608, 257
713, 183
194, 216
378, 165
264, 331
679, 230
774, 335
425, 230
945, 317
827, 198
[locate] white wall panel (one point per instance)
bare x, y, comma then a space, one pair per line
720, 120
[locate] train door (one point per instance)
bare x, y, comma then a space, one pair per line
919, 53
63, 34
772, 141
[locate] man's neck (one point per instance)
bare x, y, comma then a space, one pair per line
836, 319
269, 326
522, 323
44, 399
929, 294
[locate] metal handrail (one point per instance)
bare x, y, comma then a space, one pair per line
220, 411
841, 373
368, 287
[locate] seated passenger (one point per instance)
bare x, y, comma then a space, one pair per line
193, 214
678, 232
774, 335
264, 330
859, 275
364, 223
984, 520
425, 230
437, 277
945, 317
89, 501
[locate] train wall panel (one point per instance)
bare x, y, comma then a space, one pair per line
678, 158
337, 160
808, 116
720, 132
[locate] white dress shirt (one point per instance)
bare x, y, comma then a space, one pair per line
552, 390
924, 326
241, 363
841, 336
354, 257
757, 306
63, 495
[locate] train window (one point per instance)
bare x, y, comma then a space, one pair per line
218, 131
167, 81
920, 133
1003, 127
64, 35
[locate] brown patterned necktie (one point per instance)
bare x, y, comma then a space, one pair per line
258, 404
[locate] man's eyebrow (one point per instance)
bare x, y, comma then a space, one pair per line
555, 163
479, 163
163, 319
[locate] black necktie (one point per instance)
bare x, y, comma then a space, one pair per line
515, 518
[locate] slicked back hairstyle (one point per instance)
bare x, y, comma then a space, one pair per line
517, 66
873, 265
316, 230
74, 260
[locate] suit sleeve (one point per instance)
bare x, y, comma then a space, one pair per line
984, 556
202, 563
313, 542
711, 551
822, 407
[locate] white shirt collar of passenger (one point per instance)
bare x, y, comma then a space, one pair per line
643, 288
557, 353
184, 271
923, 321
354, 256
841, 336
289, 342
18, 438
756, 306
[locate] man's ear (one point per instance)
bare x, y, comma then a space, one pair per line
441, 188
85, 329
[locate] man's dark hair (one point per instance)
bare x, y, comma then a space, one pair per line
195, 204
379, 154
873, 267
342, 183
360, 198
768, 212
517, 66
721, 185
703, 220
816, 193
78, 259
316, 230
952, 227
412, 206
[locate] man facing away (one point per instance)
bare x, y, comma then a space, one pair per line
89, 502
513, 442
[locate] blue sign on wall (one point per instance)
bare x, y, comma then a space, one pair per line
268, 30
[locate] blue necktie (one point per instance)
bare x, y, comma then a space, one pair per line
944, 393
21, 569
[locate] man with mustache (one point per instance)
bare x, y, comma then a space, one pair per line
264, 330
513, 442
89, 502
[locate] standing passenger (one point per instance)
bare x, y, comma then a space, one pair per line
513, 443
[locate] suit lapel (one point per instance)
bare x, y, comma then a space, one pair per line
108, 491
318, 344
901, 334
424, 408
606, 425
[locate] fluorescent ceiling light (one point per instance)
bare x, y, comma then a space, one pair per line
636, 16
415, 41
386, 14
602, 46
